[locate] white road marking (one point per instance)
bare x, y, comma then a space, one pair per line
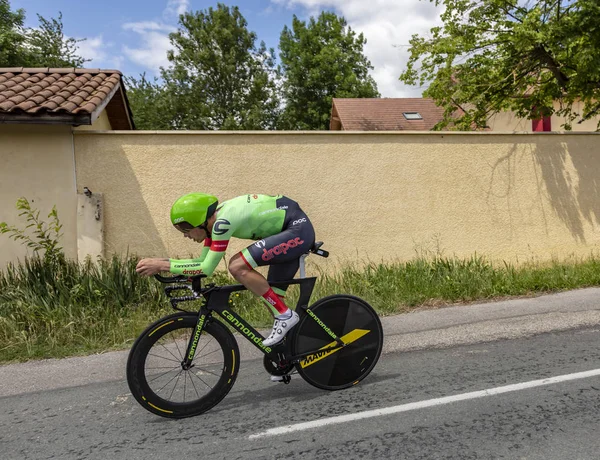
423, 404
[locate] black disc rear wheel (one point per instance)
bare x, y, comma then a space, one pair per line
355, 322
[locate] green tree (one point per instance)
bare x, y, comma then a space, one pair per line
45, 46
150, 103
321, 60
12, 37
219, 79
494, 55
50, 47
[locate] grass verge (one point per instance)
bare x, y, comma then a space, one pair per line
53, 309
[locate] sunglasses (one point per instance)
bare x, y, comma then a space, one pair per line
184, 227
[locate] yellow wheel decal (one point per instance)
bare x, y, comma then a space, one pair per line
162, 410
162, 325
350, 337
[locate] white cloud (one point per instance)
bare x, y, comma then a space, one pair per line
176, 7
93, 48
153, 54
155, 37
99, 51
145, 26
388, 26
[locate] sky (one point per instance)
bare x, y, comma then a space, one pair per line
132, 35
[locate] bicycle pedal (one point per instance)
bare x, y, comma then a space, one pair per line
281, 378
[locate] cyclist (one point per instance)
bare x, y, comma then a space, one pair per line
282, 232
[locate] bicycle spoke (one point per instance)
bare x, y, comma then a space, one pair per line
200, 351
194, 385
180, 354
178, 361
171, 353
207, 354
209, 372
184, 386
161, 375
175, 386
202, 380
161, 367
168, 382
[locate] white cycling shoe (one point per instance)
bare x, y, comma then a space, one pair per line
281, 327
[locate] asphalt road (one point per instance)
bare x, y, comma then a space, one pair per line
454, 383
553, 421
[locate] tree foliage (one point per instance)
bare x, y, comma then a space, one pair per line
536, 58
50, 47
150, 103
219, 78
12, 35
321, 60
45, 46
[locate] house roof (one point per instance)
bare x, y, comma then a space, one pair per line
63, 96
384, 114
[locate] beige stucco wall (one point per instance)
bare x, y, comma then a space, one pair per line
507, 121
37, 162
102, 123
588, 125
381, 196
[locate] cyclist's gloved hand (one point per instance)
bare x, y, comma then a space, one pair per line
149, 267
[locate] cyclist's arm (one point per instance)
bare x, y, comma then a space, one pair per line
177, 266
222, 231
207, 264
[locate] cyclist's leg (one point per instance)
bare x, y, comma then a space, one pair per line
281, 268
282, 252
282, 272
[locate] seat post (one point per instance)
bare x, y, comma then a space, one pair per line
302, 266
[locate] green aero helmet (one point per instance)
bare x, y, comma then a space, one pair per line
193, 210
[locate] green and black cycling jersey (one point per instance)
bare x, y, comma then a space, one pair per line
281, 229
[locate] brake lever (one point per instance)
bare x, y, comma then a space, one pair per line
178, 287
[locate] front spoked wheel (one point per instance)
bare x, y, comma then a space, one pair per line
356, 323
156, 375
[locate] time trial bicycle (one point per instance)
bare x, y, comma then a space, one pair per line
185, 363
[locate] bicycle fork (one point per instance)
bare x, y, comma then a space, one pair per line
194, 339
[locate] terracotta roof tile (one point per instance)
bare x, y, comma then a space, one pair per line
27, 105
38, 99
76, 84
46, 93
10, 83
77, 100
49, 105
69, 106
385, 114
57, 98
43, 90
85, 107
17, 99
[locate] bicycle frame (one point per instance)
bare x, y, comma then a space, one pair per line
217, 300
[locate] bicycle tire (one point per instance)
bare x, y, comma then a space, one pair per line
346, 316
153, 346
